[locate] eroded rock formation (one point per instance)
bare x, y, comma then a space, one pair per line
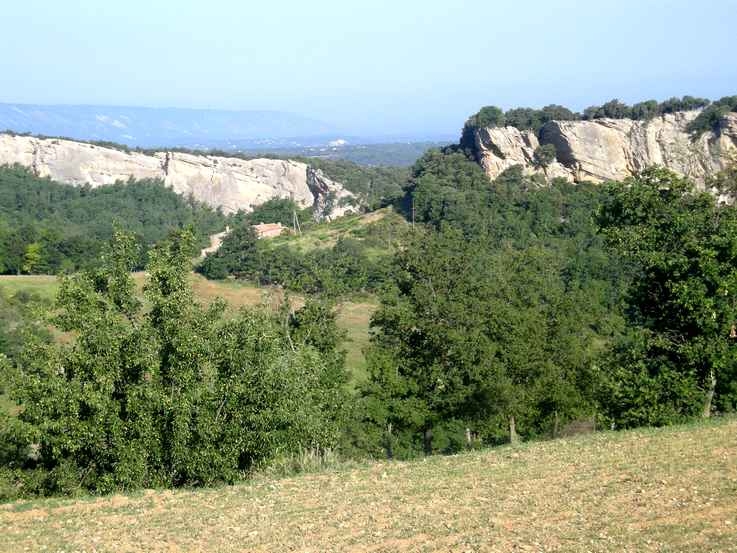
611, 149
225, 182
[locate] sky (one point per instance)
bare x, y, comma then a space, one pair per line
370, 67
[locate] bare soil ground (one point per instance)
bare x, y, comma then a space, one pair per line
667, 490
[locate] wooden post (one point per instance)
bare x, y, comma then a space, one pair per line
468, 438
712, 382
389, 451
513, 438
427, 441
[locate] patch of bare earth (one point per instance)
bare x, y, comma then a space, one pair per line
666, 490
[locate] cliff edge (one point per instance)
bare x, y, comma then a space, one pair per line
229, 183
610, 149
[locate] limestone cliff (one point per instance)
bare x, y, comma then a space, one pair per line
606, 149
225, 182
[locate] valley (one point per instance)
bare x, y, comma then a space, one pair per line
325, 276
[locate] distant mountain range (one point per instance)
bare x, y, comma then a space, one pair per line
152, 127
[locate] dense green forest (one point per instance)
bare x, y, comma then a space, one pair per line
524, 308
508, 310
47, 227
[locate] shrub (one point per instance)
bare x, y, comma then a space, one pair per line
170, 395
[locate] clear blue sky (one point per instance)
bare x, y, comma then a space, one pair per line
374, 66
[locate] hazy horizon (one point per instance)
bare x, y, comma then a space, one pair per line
383, 68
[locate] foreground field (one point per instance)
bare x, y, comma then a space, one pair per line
652, 490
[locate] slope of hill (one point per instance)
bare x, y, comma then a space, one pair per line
668, 489
377, 228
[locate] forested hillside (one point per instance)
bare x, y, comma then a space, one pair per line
47, 227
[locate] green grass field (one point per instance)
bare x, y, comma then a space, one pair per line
665, 490
44, 286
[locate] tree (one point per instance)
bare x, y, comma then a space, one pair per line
554, 112
489, 116
170, 395
470, 338
279, 210
238, 254
544, 155
645, 110
682, 303
32, 258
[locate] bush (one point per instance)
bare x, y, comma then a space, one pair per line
170, 395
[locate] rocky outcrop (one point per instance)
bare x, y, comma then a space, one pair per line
611, 149
500, 148
331, 200
225, 182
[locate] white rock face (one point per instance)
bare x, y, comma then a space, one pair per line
505, 147
228, 183
612, 149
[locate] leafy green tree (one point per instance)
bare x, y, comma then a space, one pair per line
682, 302
279, 210
524, 118
544, 155
554, 112
32, 258
468, 338
613, 109
170, 395
489, 116
645, 110
238, 254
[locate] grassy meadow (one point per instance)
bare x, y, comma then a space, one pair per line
666, 490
